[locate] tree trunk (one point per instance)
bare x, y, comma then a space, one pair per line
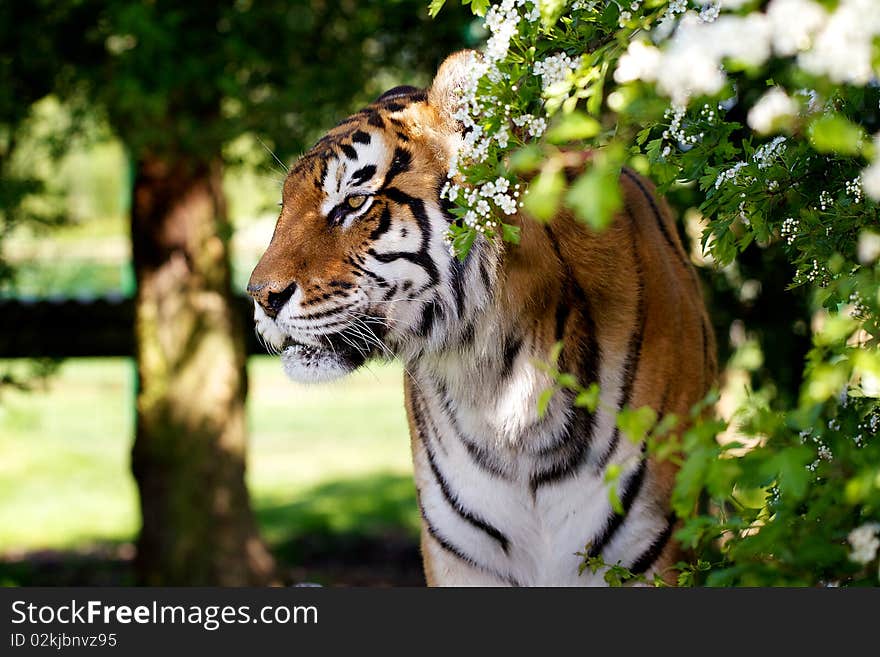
189, 451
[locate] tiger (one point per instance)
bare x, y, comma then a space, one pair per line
358, 268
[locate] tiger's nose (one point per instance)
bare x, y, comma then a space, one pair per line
271, 296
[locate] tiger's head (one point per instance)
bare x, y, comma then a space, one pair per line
357, 266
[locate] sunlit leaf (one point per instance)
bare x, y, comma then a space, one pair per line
545, 193
572, 127
833, 133
595, 197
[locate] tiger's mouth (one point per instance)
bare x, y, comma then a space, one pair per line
345, 351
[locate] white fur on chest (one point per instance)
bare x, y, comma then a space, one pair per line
544, 527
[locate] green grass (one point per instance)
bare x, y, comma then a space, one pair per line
323, 460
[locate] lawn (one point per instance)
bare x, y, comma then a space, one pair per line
329, 468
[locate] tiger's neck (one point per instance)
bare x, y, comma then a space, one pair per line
486, 367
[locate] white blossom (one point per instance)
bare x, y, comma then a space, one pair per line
771, 111
864, 543
793, 24
838, 44
843, 48
731, 174
554, 69
869, 251
854, 188
790, 229
768, 153
641, 61
710, 11
870, 179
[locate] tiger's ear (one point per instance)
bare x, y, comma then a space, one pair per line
445, 92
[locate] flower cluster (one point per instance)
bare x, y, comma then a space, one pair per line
772, 111
870, 182
837, 44
490, 126
554, 69
789, 230
770, 152
865, 542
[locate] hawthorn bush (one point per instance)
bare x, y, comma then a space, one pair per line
760, 121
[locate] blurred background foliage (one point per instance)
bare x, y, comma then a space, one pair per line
89, 91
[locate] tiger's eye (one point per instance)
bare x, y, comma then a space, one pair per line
355, 202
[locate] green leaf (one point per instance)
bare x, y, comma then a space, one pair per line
834, 133
595, 196
510, 233
588, 398
636, 422
545, 192
612, 477
556, 351
478, 7
791, 468
463, 242
435, 7
551, 10
689, 481
544, 400
572, 127
527, 159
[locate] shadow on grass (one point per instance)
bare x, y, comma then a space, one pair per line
358, 532
354, 532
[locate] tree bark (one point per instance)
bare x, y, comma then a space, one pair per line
189, 451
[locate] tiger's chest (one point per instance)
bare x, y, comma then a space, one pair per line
508, 495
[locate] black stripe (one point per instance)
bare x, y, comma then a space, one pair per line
484, 274
361, 137
650, 556
400, 163
384, 224
429, 316
451, 498
375, 119
575, 442
349, 151
467, 334
478, 454
678, 249
572, 450
417, 258
402, 90
381, 282
512, 347
417, 207
633, 355
456, 280
363, 174
615, 520
325, 313
563, 310
350, 119
457, 552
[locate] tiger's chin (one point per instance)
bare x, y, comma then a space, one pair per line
309, 364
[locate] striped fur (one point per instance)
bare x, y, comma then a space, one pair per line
507, 497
